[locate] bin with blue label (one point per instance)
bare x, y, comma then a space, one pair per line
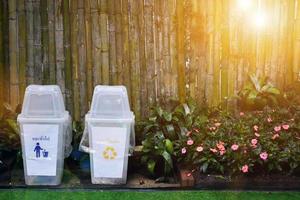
45, 128
109, 135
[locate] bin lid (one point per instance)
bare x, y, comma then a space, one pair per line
43, 101
110, 101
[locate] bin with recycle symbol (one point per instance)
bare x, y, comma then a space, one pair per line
109, 135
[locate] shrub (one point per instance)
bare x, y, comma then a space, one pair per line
262, 142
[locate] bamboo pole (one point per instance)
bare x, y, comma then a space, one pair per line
275, 42
134, 57
202, 47
180, 51
125, 47
225, 51
143, 69
59, 46
22, 47
81, 46
158, 51
37, 44
113, 76
2, 61
118, 27
51, 41
149, 52
104, 41
13, 54
5, 37
166, 49
67, 56
210, 53
88, 41
30, 42
74, 58
296, 55
96, 43
45, 41
173, 49
289, 32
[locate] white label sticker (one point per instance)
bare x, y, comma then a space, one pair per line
41, 149
109, 145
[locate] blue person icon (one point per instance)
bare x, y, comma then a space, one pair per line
37, 150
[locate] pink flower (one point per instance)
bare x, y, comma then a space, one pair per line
277, 128
255, 127
222, 152
256, 134
213, 150
217, 124
183, 150
220, 146
190, 142
245, 169
275, 136
242, 114
264, 155
269, 119
285, 126
234, 147
212, 128
254, 141
199, 149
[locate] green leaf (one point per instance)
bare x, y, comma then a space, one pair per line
167, 158
167, 116
13, 125
186, 109
204, 167
159, 111
151, 166
171, 131
273, 90
169, 146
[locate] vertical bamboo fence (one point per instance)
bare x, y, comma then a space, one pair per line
158, 49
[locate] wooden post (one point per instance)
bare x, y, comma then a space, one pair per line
180, 51
59, 46
51, 41
74, 57
104, 41
81, 47
13, 54
45, 41
67, 53
2, 61
149, 52
88, 41
96, 43
22, 47
134, 57
30, 42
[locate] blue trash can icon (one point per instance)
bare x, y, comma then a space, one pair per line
45, 154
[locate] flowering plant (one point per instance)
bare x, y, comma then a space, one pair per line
265, 141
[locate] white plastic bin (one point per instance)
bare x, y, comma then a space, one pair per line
46, 135
109, 134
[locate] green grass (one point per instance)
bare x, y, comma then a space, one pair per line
135, 195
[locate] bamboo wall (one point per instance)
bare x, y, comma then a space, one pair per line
159, 49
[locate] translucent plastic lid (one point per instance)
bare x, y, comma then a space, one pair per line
43, 101
110, 101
